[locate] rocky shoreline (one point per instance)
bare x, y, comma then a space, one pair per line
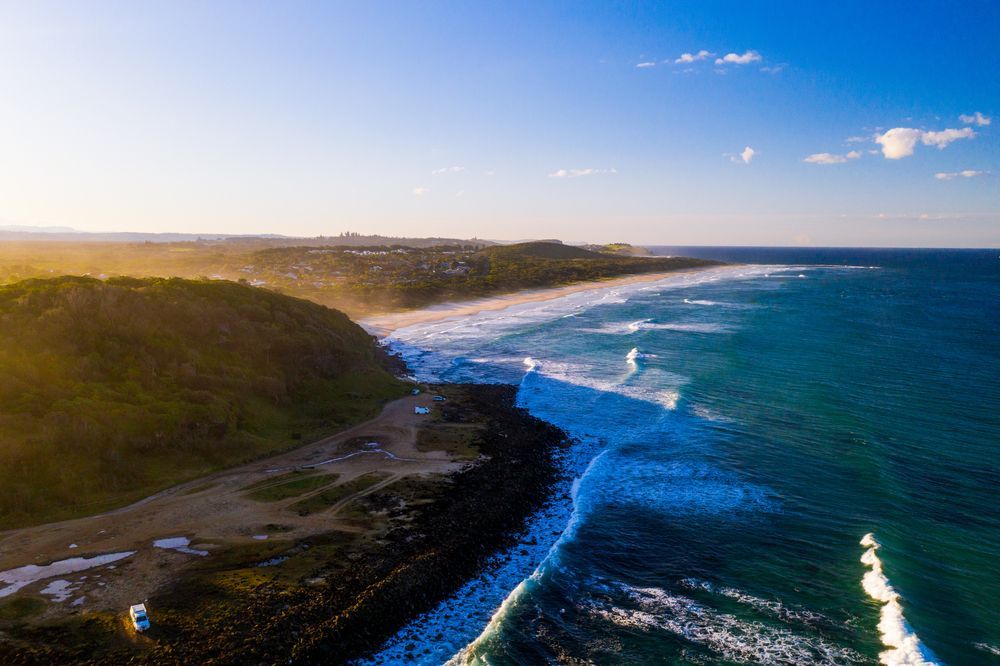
424, 557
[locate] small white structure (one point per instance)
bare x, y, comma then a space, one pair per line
421, 410
439, 398
415, 391
137, 614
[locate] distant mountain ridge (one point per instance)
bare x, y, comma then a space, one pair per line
16, 232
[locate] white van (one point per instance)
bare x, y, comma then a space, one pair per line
137, 614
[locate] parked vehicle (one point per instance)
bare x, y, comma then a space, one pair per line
137, 614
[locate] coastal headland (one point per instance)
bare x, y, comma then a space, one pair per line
309, 552
319, 554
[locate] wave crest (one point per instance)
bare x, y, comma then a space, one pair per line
905, 646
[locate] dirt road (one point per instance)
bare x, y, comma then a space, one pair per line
212, 513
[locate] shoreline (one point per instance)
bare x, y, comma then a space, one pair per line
351, 588
383, 325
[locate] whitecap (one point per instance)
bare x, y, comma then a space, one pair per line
772, 607
627, 328
733, 639
905, 646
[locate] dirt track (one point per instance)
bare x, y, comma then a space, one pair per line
215, 511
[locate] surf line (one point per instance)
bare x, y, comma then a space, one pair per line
468, 654
897, 634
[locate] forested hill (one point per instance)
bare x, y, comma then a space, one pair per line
110, 390
540, 250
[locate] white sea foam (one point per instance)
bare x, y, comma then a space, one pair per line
631, 357
905, 647
469, 618
423, 336
770, 606
627, 328
454, 351
26, 575
660, 388
986, 647
469, 654
704, 412
731, 638
673, 487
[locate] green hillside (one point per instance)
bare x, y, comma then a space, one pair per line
540, 250
112, 390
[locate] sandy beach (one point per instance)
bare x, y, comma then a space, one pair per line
384, 324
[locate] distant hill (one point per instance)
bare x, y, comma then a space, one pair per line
66, 234
112, 390
540, 250
621, 249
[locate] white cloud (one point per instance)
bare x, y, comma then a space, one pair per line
825, 158
976, 118
420, 191
831, 158
743, 157
736, 59
944, 137
899, 142
451, 169
856, 139
576, 173
967, 173
644, 65
693, 57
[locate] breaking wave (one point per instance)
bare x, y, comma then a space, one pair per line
905, 648
652, 609
577, 375
627, 328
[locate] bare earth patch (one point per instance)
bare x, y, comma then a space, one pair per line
301, 493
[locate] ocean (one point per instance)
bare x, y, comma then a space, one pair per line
792, 460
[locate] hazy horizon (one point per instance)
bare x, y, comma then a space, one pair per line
714, 124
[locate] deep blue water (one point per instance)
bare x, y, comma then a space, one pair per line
740, 431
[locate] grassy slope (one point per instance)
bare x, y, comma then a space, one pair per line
112, 390
540, 250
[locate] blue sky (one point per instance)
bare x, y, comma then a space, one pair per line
507, 120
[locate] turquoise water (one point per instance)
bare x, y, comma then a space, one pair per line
740, 431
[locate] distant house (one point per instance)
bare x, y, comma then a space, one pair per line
439, 398
421, 410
